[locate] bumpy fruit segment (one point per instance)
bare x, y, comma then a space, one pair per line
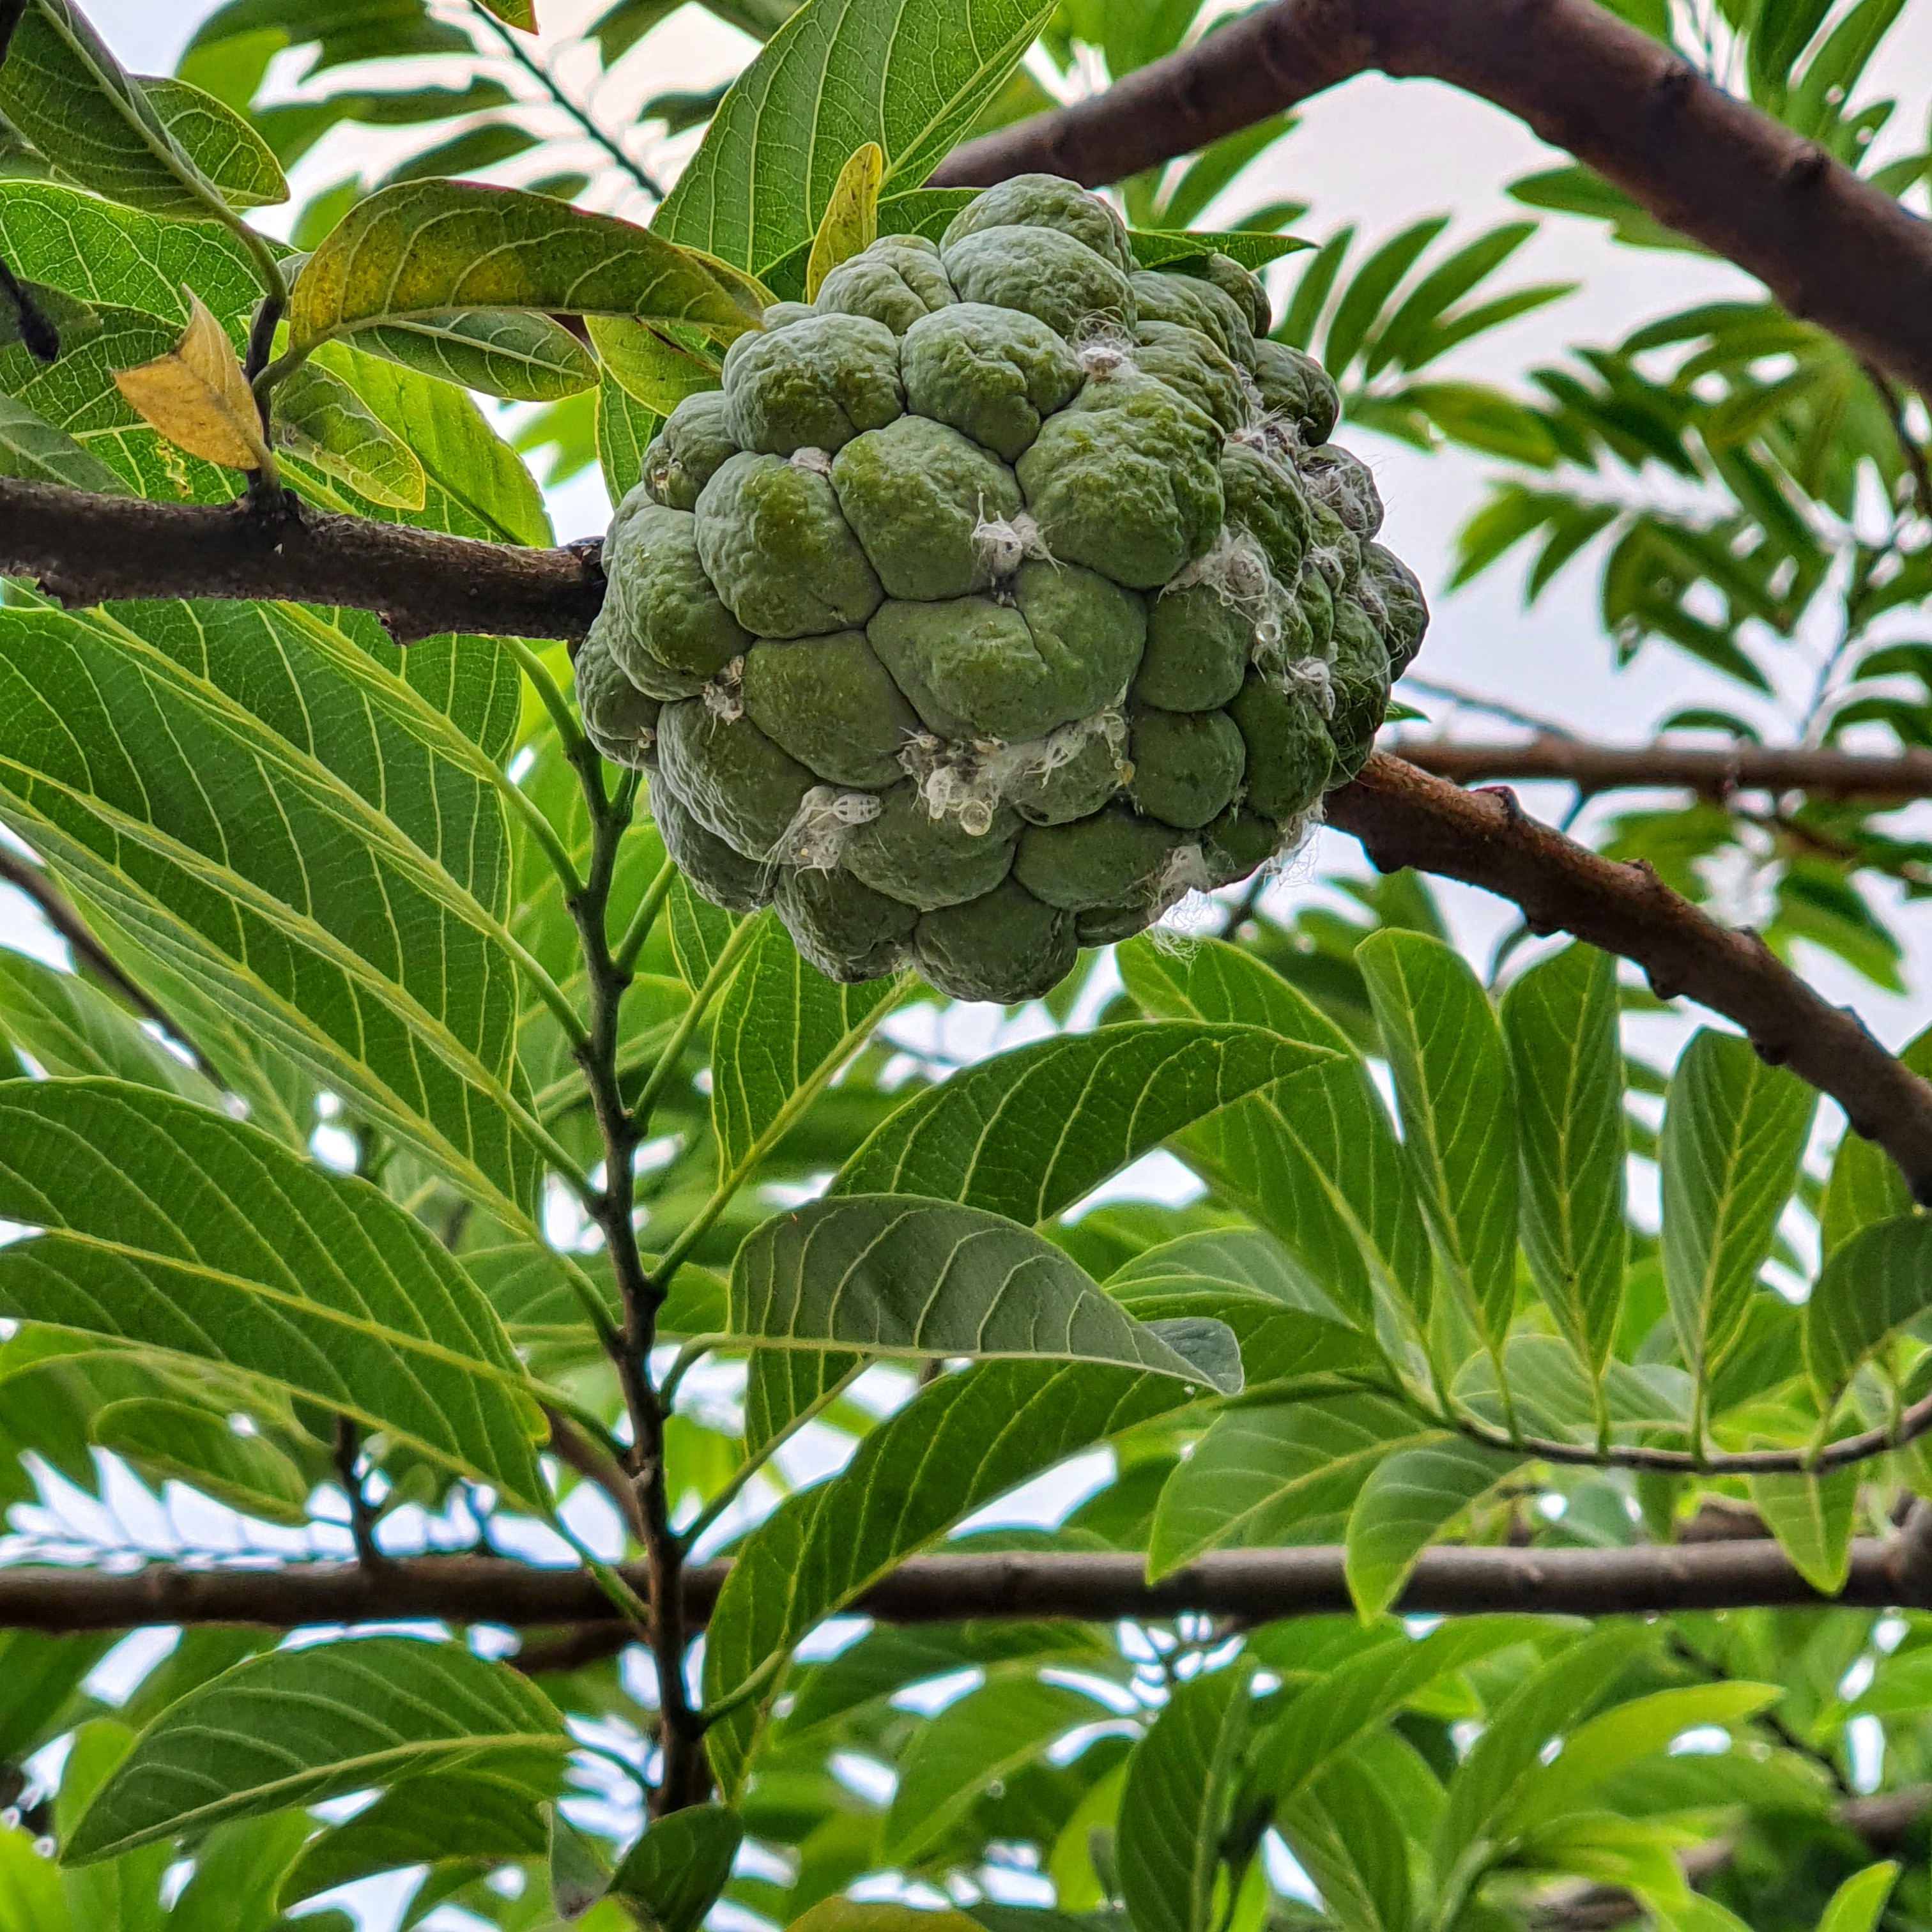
1000, 596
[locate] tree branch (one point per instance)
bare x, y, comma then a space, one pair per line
1258, 1586
85, 549
1709, 770
1404, 816
1834, 250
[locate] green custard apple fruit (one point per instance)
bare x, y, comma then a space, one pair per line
1000, 596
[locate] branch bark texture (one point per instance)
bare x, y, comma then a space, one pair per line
1257, 1586
1712, 771
1404, 816
85, 549
1833, 249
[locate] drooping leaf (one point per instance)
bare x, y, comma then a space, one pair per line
295, 1727
1559, 1023
964, 1440
1407, 1500
461, 1813
1282, 1474
207, 809
578, 1875
1734, 1129
1878, 1282
523, 357
783, 1030
1175, 1802
1346, 1834
851, 223
169, 1227
163, 1439
70, 97
197, 397
982, 1738
1027, 1133
908, 75
320, 419
651, 365
219, 141
1328, 1717
1812, 1518
31, 447
888, 1275
1459, 1122
1320, 1166
674, 1874
438, 248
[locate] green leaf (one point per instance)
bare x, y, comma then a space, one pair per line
1879, 1283
960, 1442
163, 1439
851, 222
370, 1712
523, 357
699, 931
1030, 1132
31, 447
437, 248
219, 141
1320, 1166
650, 365
578, 1875
31, 1898
912, 75
460, 1814
1162, 248
1559, 1024
1734, 1131
343, 889
1506, 1760
625, 428
1284, 1474
1175, 1803
1452, 1079
1812, 1518
1346, 1834
888, 1275
67, 1026
1328, 1720
319, 418
1374, 282
171, 1229
1621, 1737
977, 1741
674, 1872
1859, 1903
783, 1030
60, 87
1406, 1502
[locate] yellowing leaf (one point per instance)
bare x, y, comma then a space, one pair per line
197, 397
851, 219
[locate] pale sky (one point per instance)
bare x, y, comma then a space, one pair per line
1380, 154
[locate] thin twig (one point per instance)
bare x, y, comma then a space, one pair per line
577, 111
348, 1454
1909, 445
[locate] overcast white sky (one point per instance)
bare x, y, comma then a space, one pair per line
1380, 154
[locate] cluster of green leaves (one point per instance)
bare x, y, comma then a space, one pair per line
1412, 1300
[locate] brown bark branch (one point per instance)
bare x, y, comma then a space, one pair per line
1404, 816
1713, 772
1256, 1586
1834, 250
84, 549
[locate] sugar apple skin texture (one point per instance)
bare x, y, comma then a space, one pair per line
996, 599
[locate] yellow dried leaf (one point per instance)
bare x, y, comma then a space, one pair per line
197, 397
851, 223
